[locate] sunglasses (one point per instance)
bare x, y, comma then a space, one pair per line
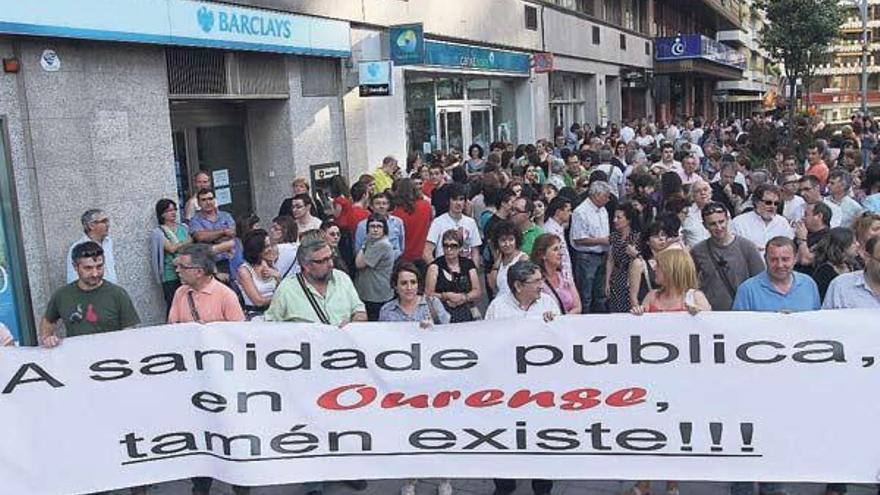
767, 202
450, 245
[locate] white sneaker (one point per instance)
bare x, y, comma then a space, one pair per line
445, 488
408, 488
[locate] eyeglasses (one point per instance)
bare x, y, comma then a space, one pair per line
377, 226
533, 281
105, 221
451, 245
768, 202
322, 261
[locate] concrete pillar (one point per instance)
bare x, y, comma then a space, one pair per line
613, 98
532, 100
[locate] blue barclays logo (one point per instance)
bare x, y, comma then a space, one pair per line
206, 19
241, 23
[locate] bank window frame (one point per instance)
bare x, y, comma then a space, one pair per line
18, 283
313, 77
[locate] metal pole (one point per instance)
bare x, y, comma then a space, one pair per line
864, 11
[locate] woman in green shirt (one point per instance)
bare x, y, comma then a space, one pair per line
167, 239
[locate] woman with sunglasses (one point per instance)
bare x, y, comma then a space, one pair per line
453, 279
374, 262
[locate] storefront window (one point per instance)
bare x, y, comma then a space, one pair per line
450, 89
12, 298
451, 114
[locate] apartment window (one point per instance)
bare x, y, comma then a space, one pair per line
622, 41
612, 12
567, 98
320, 77
596, 39
647, 48
531, 18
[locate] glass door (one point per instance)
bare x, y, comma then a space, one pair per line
481, 126
451, 126
14, 300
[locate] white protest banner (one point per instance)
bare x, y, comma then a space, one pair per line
716, 396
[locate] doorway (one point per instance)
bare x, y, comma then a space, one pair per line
462, 124
211, 136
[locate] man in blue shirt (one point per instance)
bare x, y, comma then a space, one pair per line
212, 226
779, 287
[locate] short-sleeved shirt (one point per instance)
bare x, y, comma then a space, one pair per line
529, 236
465, 224
506, 306
291, 304
109, 260
372, 282
751, 226
589, 221
392, 311
850, 290
213, 302
396, 235
737, 261
759, 294
201, 222
415, 227
850, 209
105, 309
381, 180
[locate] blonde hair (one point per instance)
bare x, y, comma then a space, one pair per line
300, 180
679, 271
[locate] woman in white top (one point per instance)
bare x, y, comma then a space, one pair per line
257, 276
506, 243
283, 233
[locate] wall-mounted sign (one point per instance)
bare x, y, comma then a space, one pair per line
178, 22
542, 62
442, 54
375, 78
407, 44
697, 46
50, 61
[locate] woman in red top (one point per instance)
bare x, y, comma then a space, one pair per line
677, 277
416, 214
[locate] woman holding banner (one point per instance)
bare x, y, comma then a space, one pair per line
676, 275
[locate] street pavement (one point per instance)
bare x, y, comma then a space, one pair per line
485, 487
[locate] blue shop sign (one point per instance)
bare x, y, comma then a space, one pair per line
407, 44
697, 46
178, 22
441, 54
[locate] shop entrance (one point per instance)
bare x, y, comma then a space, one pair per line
460, 125
211, 136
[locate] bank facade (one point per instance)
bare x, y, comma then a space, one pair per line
115, 104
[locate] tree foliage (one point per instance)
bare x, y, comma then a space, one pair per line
796, 31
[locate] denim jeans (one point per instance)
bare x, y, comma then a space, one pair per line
589, 275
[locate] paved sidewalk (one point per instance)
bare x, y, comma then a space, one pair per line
485, 487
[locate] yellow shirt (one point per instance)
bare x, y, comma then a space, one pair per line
383, 181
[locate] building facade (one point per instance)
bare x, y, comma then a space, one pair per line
836, 85
118, 110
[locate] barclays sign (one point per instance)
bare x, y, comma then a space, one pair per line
254, 25
178, 22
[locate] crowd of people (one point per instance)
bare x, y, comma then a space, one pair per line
637, 218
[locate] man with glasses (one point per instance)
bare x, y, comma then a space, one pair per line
202, 299
809, 189
319, 293
723, 260
839, 184
763, 223
380, 204
301, 209
212, 226
521, 217
96, 228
